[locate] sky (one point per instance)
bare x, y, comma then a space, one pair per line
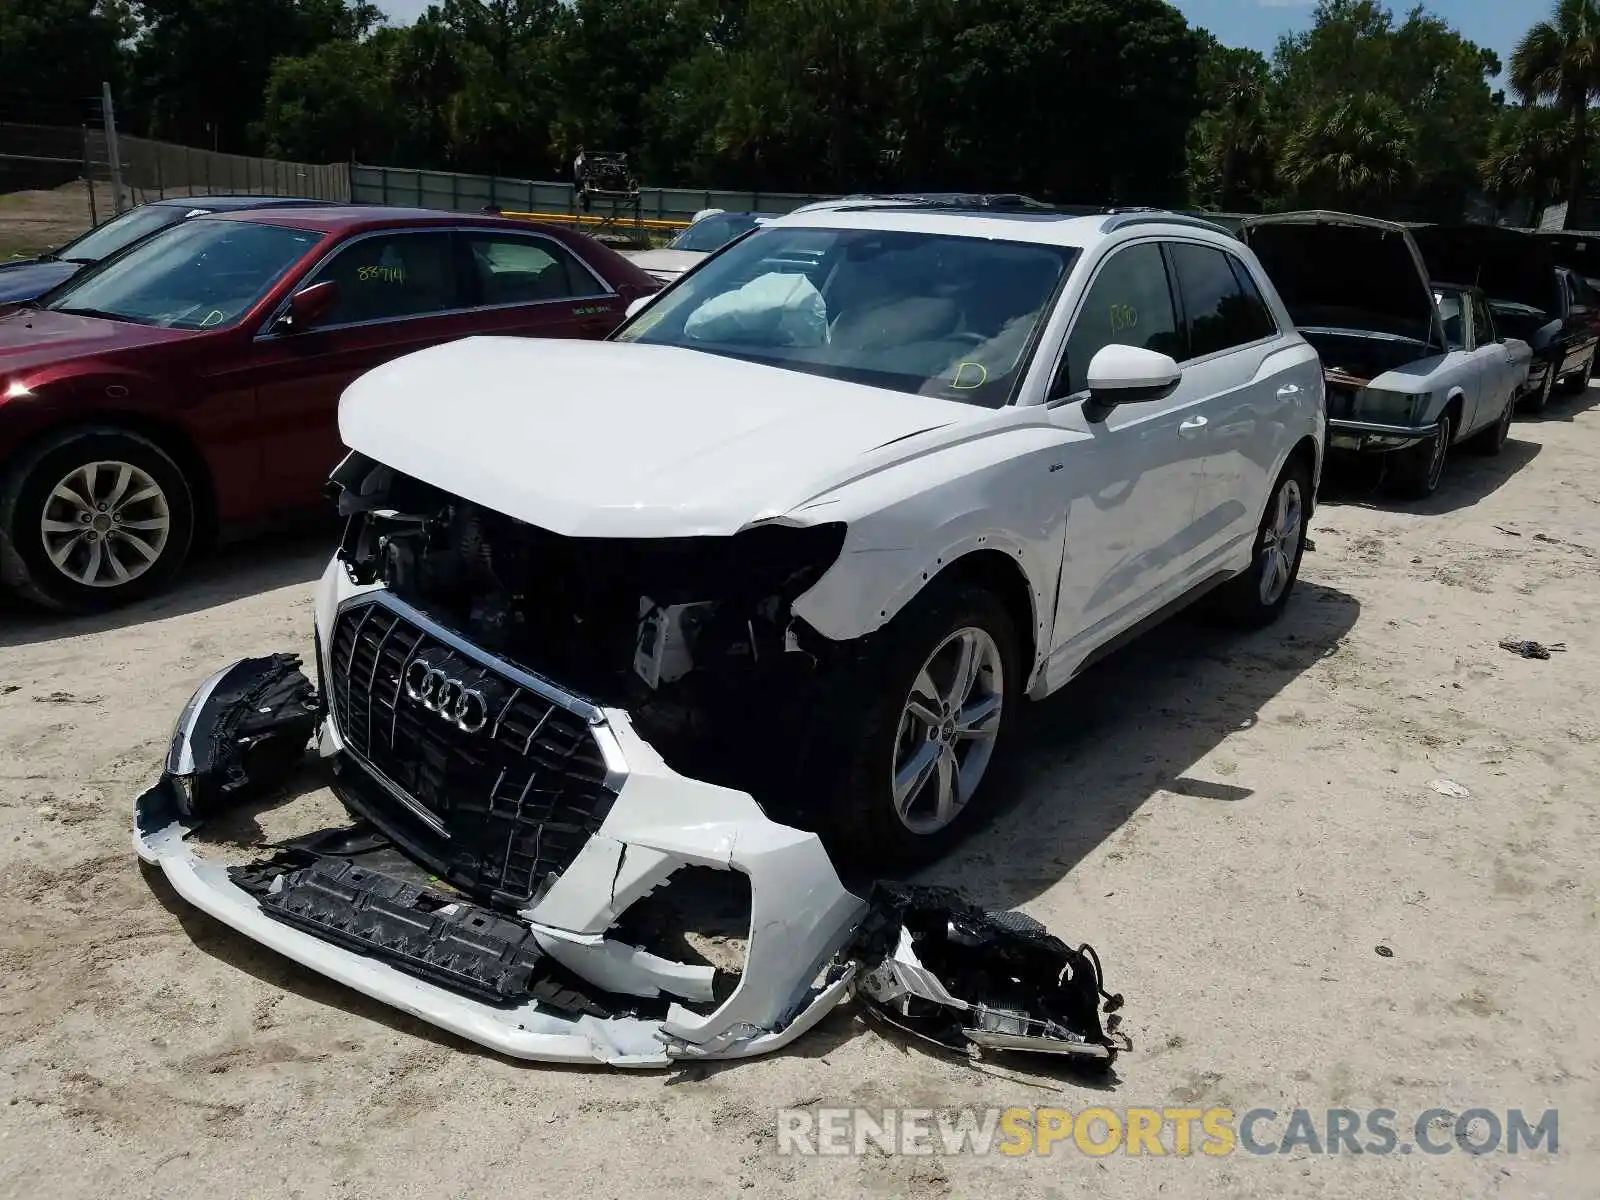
1257, 24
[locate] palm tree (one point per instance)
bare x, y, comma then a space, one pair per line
1353, 151
1559, 60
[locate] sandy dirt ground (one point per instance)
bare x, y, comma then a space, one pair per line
1237, 823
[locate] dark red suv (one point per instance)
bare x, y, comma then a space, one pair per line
190, 385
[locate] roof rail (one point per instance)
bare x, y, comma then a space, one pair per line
1152, 216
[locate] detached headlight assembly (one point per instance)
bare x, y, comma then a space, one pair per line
1391, 408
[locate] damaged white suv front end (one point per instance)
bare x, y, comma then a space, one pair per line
555, 981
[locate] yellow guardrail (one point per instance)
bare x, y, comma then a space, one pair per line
591, 219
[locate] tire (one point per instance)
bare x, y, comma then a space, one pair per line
1418, 469
142, 536
1578, 383
873, 730
1490, 441
1249, 601
1540, 400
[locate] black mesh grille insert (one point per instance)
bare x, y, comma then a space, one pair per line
516, 799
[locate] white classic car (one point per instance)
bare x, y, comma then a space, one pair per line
787, 554
711, 230
1413, 366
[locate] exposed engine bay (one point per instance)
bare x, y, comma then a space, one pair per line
692, 636
581, 969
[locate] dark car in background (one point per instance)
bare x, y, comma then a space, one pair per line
191, 384
30, 278
1530, 298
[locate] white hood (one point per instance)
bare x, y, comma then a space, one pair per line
665, 264
612, 439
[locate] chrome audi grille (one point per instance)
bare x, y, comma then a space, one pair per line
510, 782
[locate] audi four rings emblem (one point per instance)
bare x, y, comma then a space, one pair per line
465, 708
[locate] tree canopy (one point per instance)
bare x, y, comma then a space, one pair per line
1090, 101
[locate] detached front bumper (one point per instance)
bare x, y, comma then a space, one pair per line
801, 916
1375, 436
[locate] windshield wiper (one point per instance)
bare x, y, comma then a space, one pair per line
82, 262
103, 315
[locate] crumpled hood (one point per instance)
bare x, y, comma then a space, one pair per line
665, 264
30, 278
1335, 270
611, 439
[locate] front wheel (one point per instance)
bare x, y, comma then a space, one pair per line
920, 724
1538, 401
1578, 382
94, 519
1418, 470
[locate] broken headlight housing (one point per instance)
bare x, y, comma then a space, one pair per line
1391, 408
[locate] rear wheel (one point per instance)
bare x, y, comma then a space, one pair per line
1259, 596
94, 519
1491, 440
1417, 470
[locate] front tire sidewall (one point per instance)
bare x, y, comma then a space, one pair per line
22, 503
861, 825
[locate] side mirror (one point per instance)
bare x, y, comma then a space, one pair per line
635, 305
308, 306
1128, 375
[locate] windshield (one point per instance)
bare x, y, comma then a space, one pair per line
1452, 311
122, 231
713, 233
952, 317
198, 275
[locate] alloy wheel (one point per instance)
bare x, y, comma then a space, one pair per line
105, 524
947, 732
1280, 541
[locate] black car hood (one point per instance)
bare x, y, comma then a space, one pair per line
1339, 271
33, 277
1569, 248
1505, 264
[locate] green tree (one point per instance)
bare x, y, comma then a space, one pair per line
202, 66
1559, 60
1529, 156
1435, 79
1230, 143
56, 53
1355, 152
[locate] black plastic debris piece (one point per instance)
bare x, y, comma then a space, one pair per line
935, 964
441, 938
1383, 951
247, 734
1529, 649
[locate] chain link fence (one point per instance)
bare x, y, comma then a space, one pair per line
45, 157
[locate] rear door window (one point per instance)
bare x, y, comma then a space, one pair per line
1222, 306
508, 269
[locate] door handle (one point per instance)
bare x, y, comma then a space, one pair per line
1288, 391
1192, 427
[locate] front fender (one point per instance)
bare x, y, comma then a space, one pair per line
996, 494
